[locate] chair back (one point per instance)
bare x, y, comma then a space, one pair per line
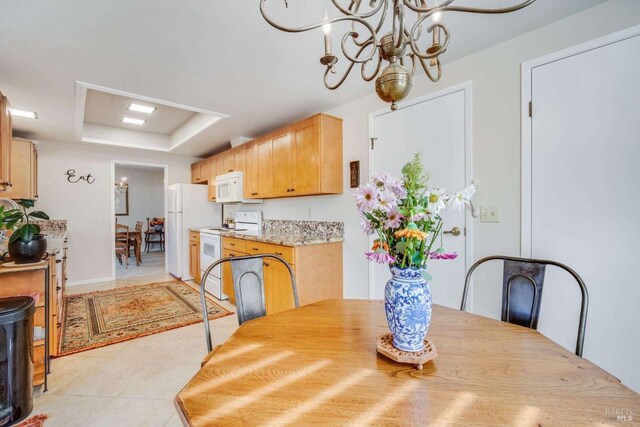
122, 229
248, 285
522, 285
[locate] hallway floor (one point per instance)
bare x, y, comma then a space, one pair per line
132, 383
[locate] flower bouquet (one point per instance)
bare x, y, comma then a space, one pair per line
404, 213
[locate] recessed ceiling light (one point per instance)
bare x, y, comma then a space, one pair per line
133, 121
142, 108
22, 113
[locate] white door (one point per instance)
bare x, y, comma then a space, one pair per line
438, 127
584, 198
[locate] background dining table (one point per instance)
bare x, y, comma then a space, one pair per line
137, 235
318, 365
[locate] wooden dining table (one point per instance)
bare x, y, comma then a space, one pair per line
318, 365
137, 235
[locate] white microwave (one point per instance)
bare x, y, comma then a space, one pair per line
230, 189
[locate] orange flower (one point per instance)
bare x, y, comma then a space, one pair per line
411, 231
378, 244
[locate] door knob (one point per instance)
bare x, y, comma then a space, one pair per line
454, 231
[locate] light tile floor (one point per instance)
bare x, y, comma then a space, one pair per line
132, 383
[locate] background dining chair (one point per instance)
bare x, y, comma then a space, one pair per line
248, 285
122, 243
522, 284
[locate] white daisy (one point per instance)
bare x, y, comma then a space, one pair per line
437, 200
462, 198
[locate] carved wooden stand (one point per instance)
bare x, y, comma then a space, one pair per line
419, 358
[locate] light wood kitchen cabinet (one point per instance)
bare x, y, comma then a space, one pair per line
6, 137
316, 145
200, 172
282, 163
239, 158
194, 255
251, 173
213, 172
258, 181
316, 268
302, 159
24, 170
227, 279
227, 162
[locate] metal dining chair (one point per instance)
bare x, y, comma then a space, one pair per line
248, 285
522, 284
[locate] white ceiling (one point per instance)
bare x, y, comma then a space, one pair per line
108, 109
212, 55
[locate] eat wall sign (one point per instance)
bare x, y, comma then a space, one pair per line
73, 178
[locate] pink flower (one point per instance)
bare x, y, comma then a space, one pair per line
386, 201
393, 219
380, 256
366, 226
441, 254
367, 197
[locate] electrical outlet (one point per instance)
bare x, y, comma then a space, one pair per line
489, 214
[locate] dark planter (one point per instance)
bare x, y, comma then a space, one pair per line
30, 252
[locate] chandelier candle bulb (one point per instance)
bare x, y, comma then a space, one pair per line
326, 29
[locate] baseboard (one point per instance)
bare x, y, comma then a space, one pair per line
90, 281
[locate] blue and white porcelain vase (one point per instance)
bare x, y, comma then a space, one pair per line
407, 303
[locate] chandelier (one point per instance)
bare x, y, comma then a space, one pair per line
365, 46
122, 186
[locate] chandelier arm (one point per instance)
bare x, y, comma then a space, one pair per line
378, 27
344, 77
416, 49
316, 25
355, 13
425, 67
444, 7
356, 59
375, 71
397, 25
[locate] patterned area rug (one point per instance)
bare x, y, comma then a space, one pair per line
102, 318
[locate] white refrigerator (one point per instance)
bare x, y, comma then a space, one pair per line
188, 207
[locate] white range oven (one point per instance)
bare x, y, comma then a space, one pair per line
211, 248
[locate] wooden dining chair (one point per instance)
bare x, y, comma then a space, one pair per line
522, 285
248, 285
122, 244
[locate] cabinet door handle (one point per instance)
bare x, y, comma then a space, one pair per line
58, 288
232, 244
266, 264
255, 249
279, 253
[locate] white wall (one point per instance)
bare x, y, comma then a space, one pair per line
146, 193
87, 207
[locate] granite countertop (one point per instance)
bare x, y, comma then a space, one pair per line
284, 239
293, 233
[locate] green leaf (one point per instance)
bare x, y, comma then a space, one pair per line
27, 203
15, 236
426, 276
39, 214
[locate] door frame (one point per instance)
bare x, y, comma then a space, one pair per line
526, 237
466, 88
165, 168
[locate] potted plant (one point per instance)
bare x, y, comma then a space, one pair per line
405, 215
26, 244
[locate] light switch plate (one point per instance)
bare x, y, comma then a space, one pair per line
489, 214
